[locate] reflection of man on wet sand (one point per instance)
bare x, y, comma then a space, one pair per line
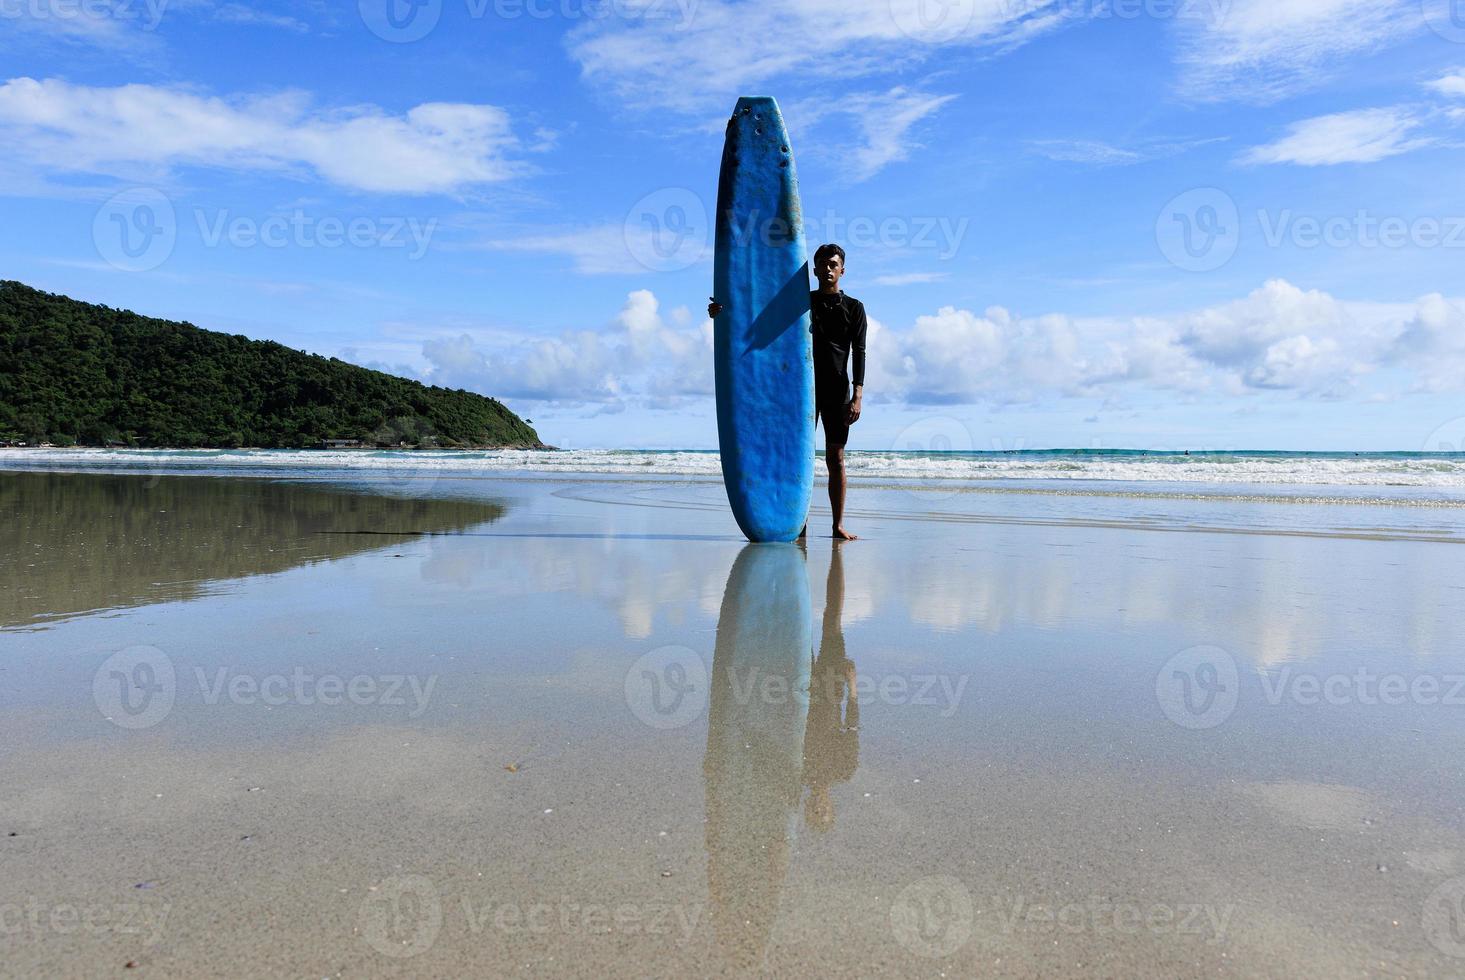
832, 732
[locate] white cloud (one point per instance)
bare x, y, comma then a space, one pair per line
596, 250
1104, 154
1261, 50
873, 129
237, 13
436, 147
909, 278
1433, 343
1085, 151
1278, 339
1281, 336
605, 249
702, 54
1451, 85
1360, 136
885, 121
638, 356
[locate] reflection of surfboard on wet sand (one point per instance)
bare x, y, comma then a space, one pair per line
763, 354
755, 740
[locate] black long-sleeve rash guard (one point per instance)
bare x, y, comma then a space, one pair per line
839, 331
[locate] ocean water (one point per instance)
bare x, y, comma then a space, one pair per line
1388, 478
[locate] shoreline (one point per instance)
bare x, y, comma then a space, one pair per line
329, 465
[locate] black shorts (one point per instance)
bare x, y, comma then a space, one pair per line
831, 398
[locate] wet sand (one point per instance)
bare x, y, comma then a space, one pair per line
579, 728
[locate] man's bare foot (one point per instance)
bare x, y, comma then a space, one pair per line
844, 535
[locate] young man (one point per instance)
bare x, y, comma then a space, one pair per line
839, 332
839, 328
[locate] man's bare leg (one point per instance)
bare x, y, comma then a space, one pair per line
834, 457
805, 529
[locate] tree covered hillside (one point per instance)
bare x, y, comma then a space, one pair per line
74, 373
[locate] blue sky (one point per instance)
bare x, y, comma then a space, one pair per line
1152, 223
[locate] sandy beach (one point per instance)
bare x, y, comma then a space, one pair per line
573, 725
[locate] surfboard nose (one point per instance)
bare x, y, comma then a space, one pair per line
756, 103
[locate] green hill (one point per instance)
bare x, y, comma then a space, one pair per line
74, 373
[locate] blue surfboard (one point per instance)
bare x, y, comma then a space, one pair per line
764, 362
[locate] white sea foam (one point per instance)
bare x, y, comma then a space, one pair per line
1366, 470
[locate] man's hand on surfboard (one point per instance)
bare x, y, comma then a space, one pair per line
713, 308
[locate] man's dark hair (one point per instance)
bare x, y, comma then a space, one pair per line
823, 250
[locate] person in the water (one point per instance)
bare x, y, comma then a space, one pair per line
839, 328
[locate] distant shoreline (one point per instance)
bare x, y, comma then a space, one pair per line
299, 449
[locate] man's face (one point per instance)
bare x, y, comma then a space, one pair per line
829, 268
